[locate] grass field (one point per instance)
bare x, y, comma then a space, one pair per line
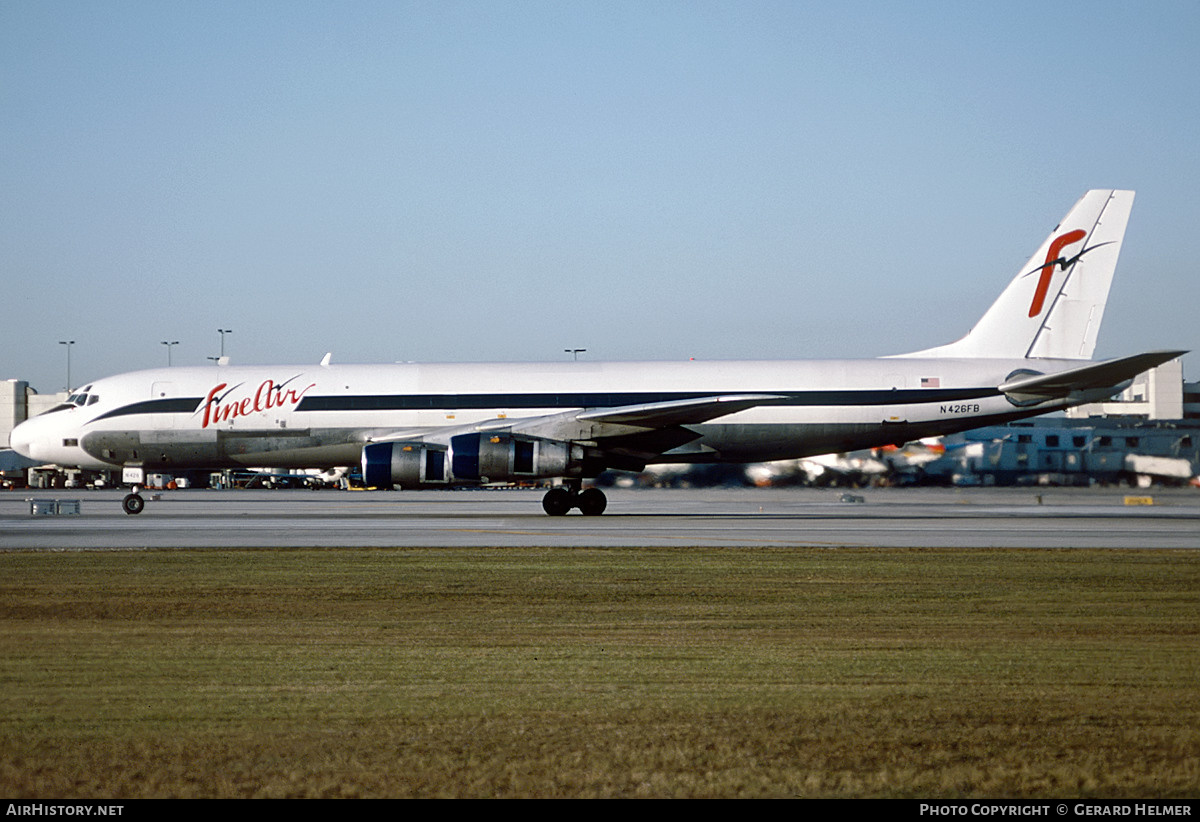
690, 672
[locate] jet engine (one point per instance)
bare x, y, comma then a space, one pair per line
502, 457
407, 464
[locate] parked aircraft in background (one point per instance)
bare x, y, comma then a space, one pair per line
441, 425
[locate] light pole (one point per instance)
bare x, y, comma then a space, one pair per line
575, 352
68, 344
168, 345
223, 332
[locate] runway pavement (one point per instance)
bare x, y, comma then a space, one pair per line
942, 518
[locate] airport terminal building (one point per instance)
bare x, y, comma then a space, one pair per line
18, 402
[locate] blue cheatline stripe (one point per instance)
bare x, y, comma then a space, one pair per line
614, 399
607, 399
173, 405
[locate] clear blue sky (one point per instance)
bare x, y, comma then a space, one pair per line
646, 180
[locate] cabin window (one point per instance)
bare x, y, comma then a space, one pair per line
70, 442
1079, 442
1052, 440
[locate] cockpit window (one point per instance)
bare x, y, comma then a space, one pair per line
92, 400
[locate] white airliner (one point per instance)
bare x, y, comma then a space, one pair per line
442, 425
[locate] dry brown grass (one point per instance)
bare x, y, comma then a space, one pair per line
667, 672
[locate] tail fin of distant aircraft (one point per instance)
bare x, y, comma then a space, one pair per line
1054, 305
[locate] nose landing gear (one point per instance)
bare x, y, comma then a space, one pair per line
133, 503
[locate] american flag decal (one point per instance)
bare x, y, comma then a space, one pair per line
931, 382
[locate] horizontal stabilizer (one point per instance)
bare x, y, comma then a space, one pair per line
1106, 374
677, 412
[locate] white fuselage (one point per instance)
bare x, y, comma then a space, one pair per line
322, 416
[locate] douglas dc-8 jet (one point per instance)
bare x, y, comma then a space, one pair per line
444, 425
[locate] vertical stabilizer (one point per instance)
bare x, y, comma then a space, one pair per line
1054, 305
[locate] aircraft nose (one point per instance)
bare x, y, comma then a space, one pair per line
20, 439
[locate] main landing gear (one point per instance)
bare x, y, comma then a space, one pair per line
591, 502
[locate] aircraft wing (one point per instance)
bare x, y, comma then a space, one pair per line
676, 412
623, 421
1107, 374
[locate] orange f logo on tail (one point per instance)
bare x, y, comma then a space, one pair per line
1054, 257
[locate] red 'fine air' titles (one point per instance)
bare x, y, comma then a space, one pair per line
268, 396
